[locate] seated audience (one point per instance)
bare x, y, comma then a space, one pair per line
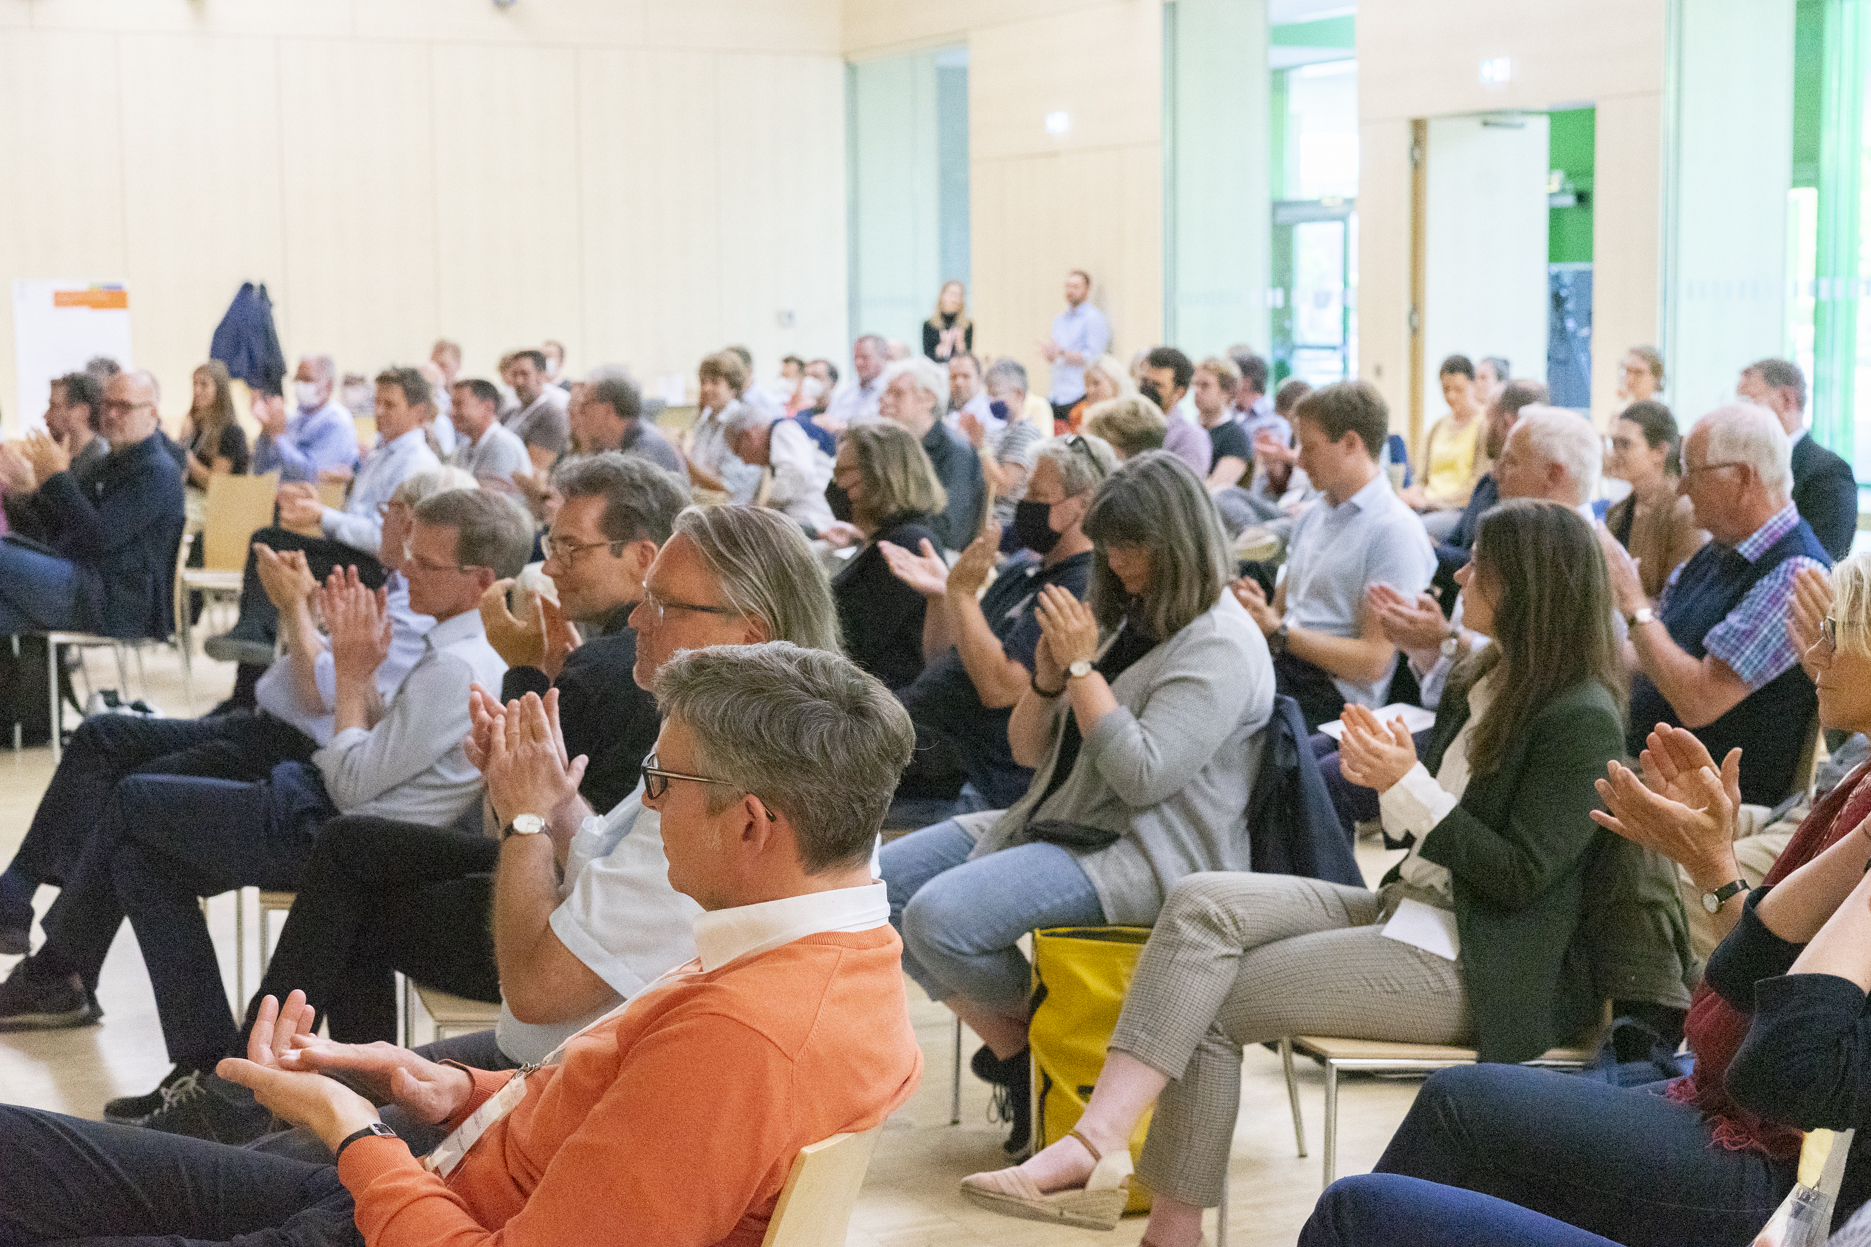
1501, 849
1714, 655
73, 415
486, 449
773, 771
348, 537
1777, 1026
1328, 650
1491, 373
752, 393
213, 437
321, 437
856, 400
797, 470
967, 392
980, 647
1656, 521
1129, 426
915, 395
1165, 380
1141, 721
540, 420
712, 462
167, 840
1451, 462
1004, 442
1275, 476
1824, 488
108, 562
1106, 378
1514, 398
611, 417
884, 480
1253, 409
1216, 381
292, 720
815, 391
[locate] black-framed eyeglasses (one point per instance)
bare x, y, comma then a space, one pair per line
564, 551
656, 779
659, 608
1710, 467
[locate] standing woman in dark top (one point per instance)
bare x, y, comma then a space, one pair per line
893, 493
949, 332
215, 440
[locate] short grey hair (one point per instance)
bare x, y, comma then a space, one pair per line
1556, 435
614, 387
419, 487
744, 417
1082, 461
489, 531
641, 500
1010, 372
766, 571
927, 374
1751, 434
324, 366
810, 735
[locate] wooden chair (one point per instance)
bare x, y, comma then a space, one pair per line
815, 1205
1380, 1056
452, 1015
236, 509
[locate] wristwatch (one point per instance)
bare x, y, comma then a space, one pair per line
523, 825
1450, 643
1078, 670
1276, 640
1713, 901
1642, 615
376, 1128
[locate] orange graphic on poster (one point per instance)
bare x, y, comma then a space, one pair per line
99, 298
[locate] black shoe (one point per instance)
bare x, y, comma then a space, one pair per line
1013, 1104
134, 1110
203, 1106
990, 1068
32, 1001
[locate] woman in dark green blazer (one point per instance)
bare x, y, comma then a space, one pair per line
1482, 936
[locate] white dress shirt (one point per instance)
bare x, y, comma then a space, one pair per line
360, 524
277, 694
855, 401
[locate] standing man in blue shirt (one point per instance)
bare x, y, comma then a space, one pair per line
321, 435
1080, 334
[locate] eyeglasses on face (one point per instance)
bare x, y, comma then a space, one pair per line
656, 779
429, 565
117, 407
566, 551
658, 608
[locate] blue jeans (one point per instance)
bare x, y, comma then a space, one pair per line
960, 919
62, 1178
38, 593
1625, 1163
1388, 1210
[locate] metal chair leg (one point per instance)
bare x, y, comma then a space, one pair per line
1221, 1213
56, 717
954, 1095
123, 670
240, 949
409, 1012
1292, 1095
1331, 1121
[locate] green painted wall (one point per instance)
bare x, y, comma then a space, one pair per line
1572, 141
1809, 29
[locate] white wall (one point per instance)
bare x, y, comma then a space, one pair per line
1485, 288
895, 196
644, 181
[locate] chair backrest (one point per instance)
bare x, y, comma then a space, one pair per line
815, 1205
1806, 771
237, 508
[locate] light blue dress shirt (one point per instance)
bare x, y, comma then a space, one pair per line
1337, 551
1082, 329
360, 524
278, 695
313, 441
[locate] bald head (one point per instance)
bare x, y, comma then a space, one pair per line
129, 413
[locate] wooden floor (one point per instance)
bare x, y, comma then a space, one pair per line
910, 1196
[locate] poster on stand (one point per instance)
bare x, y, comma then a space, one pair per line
57, 327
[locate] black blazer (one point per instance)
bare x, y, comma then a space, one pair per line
1826, 494
881, 617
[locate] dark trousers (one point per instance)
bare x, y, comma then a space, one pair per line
259, 620
377, 897
241, 746
1625, 1163
1312, 687
1388, 1210
164, 842
65, 1179
1354, 802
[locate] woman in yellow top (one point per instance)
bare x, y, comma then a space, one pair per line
1653, 523
1451, 453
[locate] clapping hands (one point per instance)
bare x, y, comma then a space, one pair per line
1373, 753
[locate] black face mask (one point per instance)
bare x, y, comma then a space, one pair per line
839, 501
1032, 525
1148, 390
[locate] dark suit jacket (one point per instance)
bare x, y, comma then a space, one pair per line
602, 712
1826, 494
120, 525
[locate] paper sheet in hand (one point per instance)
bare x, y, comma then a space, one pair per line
1425, 927
1414, 717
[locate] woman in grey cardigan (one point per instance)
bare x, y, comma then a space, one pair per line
1142, 722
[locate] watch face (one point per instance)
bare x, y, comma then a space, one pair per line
1711, 902
528, 825
1079, 668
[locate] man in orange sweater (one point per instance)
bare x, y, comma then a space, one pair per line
673, 1120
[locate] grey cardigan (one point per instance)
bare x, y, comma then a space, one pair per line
1170, 769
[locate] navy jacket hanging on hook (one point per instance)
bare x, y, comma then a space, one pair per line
247, 343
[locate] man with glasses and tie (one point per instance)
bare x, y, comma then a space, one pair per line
166, 840
1714, 654
113, 536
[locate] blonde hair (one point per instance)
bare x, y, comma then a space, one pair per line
961, 313
1132, 425
1112, 369
1227, 376
898, 476
1851, 604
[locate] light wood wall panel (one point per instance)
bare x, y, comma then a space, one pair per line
1383, 263
1627, 229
